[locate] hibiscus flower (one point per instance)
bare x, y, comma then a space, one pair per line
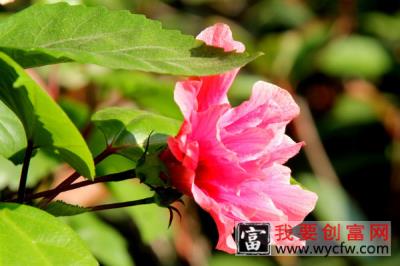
230, 159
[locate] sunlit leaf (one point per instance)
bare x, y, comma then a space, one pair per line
42, 164
61, 208
30, 236
105, 242
48, 34
45, 124
12, 136
78, 112
127, 130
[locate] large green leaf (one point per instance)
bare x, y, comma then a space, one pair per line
12, 136
127, 130
32, 237
44, 121
104, 241
46, 34
42, 164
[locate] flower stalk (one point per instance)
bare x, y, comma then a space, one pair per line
63, 186
129, 174
148, 200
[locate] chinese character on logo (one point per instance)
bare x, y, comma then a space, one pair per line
308, 231
378, 231
331, 232
355, 232
253, 239
283, 232
252, 235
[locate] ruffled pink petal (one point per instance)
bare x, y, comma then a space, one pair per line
281, 106
197, 94
220, 35
204, 125
249, 203
279, 150
293, 200
225, 225
214, 88
249, 144
185, 95
267, 106
178, 145
218, 172
176, 148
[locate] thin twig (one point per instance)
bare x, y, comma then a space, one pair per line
72, 178
148, 200
101, 179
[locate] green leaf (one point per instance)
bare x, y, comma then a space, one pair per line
42, 164
61, 208
44, 121
148, 91
114, 164
12, 136
48, 34
355, 56
149, 169
32, 237
79, 113
9, 173
104, 241
151, 219
127, 130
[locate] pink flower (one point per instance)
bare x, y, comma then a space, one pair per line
229, 159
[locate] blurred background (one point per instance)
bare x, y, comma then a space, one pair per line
341, 61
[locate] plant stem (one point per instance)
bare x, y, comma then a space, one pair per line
71, 179
24, 172
122, 204
101, 179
